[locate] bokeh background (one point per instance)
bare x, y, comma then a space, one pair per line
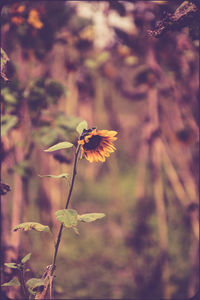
94, 61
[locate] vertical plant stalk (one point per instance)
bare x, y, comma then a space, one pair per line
66, 206
23, 285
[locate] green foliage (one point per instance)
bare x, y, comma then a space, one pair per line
12, 96
31, 226
35, 283
8, 96
11, 265
23, 168
63, 175
69, 217
59, 146
90, 217
21, 265
54, 127
54, 90
43, 92
12, 282
45, 136
114, 86
26, 258
4, 60
98, 60
81, 126
7, 123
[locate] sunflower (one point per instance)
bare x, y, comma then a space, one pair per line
97, 144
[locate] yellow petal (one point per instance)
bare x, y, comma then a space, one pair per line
81, 142
82, 151
107, 133
112, 139
112, 133
89, 158
86, 139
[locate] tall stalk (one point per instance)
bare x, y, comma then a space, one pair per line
23, 285
66, 206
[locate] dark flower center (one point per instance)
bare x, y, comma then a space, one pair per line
93, 143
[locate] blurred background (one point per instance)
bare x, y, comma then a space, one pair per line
94, 61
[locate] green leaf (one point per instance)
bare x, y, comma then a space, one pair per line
68, 217
59, 146
9, 96
64, 175
31, 226
23, 168
11, 265
91, 63
26, 258
4, 60
34, 283
12, 282
103, 57
81, 126
7, 123
90, 217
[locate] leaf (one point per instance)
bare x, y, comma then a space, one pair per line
34, 283
91, 63
9, 96
31, 226
44, 136
7, 123
26, 258
64, 175
59, 146
12, 282
68, 217
90, 217
81, 126
23, 168
103, 57
4, 60
11, 265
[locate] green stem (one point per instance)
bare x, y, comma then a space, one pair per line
66, 206
23, 285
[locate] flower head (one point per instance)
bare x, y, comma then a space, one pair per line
96, 145
34, 19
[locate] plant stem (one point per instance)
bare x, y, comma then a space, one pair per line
23, 284
66, 206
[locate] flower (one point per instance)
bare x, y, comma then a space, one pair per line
34, 19
17, 20
97, 144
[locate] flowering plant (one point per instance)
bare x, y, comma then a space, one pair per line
94, 145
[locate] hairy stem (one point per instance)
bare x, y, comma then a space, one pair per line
66, 206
